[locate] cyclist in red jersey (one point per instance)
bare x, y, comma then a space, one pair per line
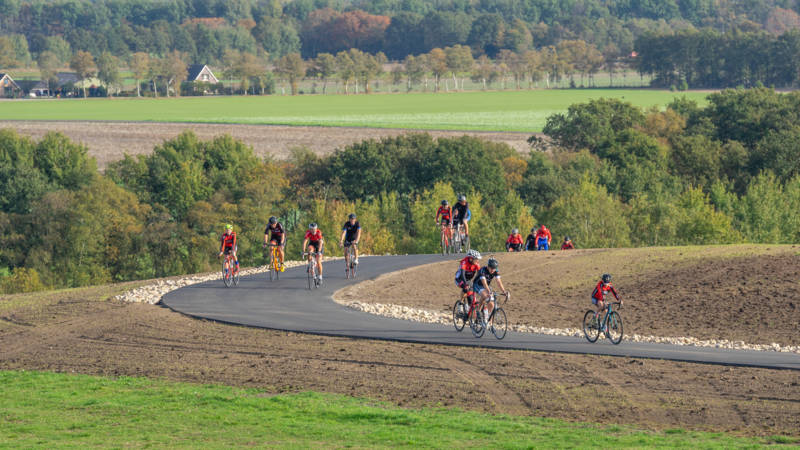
543, 238
599, 294
228, 244
313, 244
567, 245
446, 213
514, 241
467, 268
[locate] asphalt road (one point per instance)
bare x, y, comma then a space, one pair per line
288, 305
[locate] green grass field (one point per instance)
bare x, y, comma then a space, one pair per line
58, 410
524, 111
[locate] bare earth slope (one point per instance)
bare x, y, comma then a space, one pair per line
109, 141
739, 293
82, 331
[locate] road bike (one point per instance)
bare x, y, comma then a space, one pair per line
462, 309
311, 270
350, 265
497, 322
461, 239
274, 266
446, 244
230, 274
610, 325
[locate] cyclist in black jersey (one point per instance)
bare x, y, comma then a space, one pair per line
351, 234
461, 214
275, 235
480, 286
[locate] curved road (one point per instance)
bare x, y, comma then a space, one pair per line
288, 305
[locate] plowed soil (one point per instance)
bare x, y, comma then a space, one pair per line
82, 331
743, 293
110, 141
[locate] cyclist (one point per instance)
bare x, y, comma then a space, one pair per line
313, 244
228, 245
543, 238
461, 214
446, 213
530, 241
480, 286
599, 295
275, 235
467, 269
514, 241
351, 234
567, 245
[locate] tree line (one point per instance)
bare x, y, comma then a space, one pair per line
613, 175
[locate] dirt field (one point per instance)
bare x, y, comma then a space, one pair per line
81, 331
748, 293
109, 141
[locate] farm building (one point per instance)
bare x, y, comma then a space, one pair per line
63, 79
8, 88
201, 72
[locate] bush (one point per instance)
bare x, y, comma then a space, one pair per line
22, 280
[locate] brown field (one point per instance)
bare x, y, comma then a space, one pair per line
747, 293
83, 331
110, 141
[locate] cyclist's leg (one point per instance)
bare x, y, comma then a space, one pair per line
319, 261
466, 226
355, 251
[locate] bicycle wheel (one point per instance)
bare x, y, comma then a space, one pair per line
499, 323
353, 267
235, 274
614, 328
467, 248
590, 328
476, 323
271, 267
459, 315
226, 274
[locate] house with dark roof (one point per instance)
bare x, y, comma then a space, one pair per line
8, 88
64, 81
201, 72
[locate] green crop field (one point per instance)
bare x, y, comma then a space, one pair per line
58, 410
524, 111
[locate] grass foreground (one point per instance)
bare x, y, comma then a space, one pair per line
521, 111
59, 410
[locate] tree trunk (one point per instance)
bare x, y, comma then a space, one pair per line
138, 91
484, 83
324, 85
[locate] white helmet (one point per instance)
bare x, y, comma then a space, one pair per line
474, 254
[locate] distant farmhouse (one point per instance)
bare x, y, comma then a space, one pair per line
8, 88
63, 79
201, 72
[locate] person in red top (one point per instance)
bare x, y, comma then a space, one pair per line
567, 245
313, 243
543, 238
228, 244
599, 294
446, 213
514, 241
467, 268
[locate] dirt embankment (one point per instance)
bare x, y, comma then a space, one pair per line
110, 141
81, 331
739, 293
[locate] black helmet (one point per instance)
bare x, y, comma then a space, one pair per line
312, 226
273, 220
533, 230
351, 216
566, 238
492, 263
606, 278
462, 198
445, 202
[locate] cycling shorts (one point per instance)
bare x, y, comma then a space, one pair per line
445, 221
478, 288
348, 243
458, 220
228, 250
461, 284
595, 300
515, 247
317, 245
276, 239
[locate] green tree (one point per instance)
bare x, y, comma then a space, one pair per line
48, 65
325, 68
140, 66
292, 68
83, 64
108, 70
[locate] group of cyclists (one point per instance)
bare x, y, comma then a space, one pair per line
538, 239
452, 217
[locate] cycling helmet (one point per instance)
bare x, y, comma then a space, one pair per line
228, 226
474, 254
492, 263
445, 203
351, 216
462, 198
566, 238
533, 230
515, 231
273, 220
312, 226
606, 278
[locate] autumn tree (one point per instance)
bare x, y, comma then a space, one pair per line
140, 66
292, 68
83, 64
437, 60
415, 68
459, 60
324, 66
175, 71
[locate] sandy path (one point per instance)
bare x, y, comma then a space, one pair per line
109, 141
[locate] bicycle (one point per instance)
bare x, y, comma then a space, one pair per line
463, 309
229, 276
274, 266
311, 270
349, 260
446, 244
497, 320
610, 325
461, 239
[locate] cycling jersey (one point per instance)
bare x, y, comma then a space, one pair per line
600, 290
567, 246
276, 232
228, 240
314, 237
484, 274
445, 212
514, 239
530, 242
351, 231
467, 270
543, 233
461, 213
